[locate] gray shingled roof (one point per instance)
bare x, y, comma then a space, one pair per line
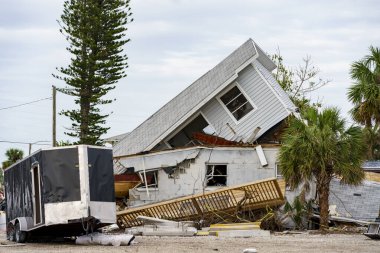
371, 165
147, 134
116, 138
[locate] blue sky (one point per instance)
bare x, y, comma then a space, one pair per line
173, 42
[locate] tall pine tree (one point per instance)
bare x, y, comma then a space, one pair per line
95, 30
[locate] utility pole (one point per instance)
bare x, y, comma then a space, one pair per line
32, 143
54, 115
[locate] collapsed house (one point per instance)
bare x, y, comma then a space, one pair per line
220, 131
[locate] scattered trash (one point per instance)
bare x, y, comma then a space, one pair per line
110, 228
251, 250
293, 232
243, 233
11, 244
103, 239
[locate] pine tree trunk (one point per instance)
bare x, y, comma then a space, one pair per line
85, 111
323, 195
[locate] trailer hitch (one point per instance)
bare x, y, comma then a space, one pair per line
89, 224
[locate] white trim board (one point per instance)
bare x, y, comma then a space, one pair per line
271, 87
36, 166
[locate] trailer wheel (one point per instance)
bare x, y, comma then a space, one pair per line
11, 235
20, 235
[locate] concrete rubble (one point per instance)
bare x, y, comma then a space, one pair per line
104, 239
161, 227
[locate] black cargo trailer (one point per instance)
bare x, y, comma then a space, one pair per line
61, 191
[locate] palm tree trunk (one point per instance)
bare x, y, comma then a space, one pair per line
323, 189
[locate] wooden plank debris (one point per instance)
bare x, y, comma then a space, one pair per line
225, 201
235, 226
372, 176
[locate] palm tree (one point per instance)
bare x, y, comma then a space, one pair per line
372, 138
365, 93
13, 155
319, 146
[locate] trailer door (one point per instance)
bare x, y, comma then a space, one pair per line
36, 181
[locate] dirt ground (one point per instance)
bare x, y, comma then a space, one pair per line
276, 243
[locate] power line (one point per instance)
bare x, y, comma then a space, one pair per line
34, 143
35, 101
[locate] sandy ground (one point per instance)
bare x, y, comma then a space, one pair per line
276, 243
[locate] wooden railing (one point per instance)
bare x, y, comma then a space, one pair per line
250, 196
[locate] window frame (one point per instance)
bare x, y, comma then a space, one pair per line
277, 174
206, 175
149, 186
236, 84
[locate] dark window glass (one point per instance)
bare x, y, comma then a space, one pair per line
236, 103
216, 175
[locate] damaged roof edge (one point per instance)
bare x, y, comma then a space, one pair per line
164, 152
172, 158
264, 59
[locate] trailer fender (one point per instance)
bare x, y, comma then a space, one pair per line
25, 223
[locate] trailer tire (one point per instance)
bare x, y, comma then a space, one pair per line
20, 235
11, 235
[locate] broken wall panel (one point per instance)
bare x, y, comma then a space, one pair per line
226, 201
178, 179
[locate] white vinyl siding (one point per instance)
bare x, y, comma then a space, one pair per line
272, 81
270, 109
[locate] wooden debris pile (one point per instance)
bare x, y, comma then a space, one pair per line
225, 202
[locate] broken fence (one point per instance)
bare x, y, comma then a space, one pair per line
228, 200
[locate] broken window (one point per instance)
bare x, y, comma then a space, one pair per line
236, 103
216, 175
151, 179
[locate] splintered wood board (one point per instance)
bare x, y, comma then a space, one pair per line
249, 196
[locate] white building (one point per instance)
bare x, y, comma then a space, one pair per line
220, 131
